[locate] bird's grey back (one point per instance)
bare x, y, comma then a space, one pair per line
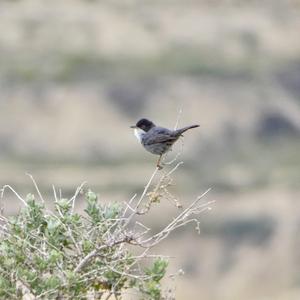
161, 130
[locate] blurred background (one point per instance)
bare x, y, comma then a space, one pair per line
74, 75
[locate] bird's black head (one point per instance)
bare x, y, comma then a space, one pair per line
144, 124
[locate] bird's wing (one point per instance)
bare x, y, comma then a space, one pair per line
160, 135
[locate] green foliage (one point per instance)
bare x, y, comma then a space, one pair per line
158, 270
60, 254
152, 286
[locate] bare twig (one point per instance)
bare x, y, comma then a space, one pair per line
178, 221
78, 190
15, 193
36, 187
178, 118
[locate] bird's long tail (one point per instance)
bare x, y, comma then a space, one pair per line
184, 129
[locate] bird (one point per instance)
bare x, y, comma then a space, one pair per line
155, 139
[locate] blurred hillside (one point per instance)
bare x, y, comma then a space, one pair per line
74, 75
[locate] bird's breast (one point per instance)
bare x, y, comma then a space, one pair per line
139, 133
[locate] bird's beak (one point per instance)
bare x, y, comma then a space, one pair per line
133, 126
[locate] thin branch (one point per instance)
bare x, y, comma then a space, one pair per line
36, 187
146, 189
109, 295
86, 259
54, 193
178, 118
170, 227
128, 205
78, 190
15, 193
95, 252
135, 210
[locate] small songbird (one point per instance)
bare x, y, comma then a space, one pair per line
155, 139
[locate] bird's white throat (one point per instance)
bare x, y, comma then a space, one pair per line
138, 132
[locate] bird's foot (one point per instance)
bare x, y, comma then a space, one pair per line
159, 167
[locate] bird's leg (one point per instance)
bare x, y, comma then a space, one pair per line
158, 163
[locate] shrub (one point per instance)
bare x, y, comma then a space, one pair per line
98, 254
